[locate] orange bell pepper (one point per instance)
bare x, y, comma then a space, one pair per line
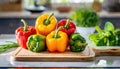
45, 24
57, 41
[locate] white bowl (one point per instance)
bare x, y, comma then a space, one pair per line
85, 31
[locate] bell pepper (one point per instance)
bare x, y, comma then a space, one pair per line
36, 43
77, 43
45, 24
22, 34
68, 26
57, 41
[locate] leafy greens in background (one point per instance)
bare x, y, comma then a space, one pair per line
107, 37
85, 17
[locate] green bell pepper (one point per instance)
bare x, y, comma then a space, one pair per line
36, 43
77, 36
77, 43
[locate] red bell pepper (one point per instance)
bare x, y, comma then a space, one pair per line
68, 26
22, 34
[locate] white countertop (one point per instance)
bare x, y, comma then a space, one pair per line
26, 14
6, 59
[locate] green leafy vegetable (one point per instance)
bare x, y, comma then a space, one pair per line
117, 33
107, 37
85, 17
5, 47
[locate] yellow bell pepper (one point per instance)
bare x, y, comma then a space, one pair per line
57, 41
45, 24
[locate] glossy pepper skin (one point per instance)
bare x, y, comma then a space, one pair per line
36, 43
22, 34
77, 43
68, 26
57, 41
45, 24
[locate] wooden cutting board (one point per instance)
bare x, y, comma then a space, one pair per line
24, 55
104, 50
107, 52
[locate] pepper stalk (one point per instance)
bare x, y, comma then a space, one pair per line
47, 21
67, 24
56, 34
25, 25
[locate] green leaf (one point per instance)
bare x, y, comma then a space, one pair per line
93, 37
99, 30
101, 42
109, 26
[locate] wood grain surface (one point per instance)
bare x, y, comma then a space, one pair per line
107, 52
24, 55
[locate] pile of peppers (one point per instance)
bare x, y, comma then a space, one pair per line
48, 34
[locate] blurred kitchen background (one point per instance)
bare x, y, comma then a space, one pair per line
12, 11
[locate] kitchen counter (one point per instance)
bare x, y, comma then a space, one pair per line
27, 14
6, 59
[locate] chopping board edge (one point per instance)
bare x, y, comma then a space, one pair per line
107, 52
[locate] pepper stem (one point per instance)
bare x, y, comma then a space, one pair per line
56, 34
47, 21
25, 24
67, 23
